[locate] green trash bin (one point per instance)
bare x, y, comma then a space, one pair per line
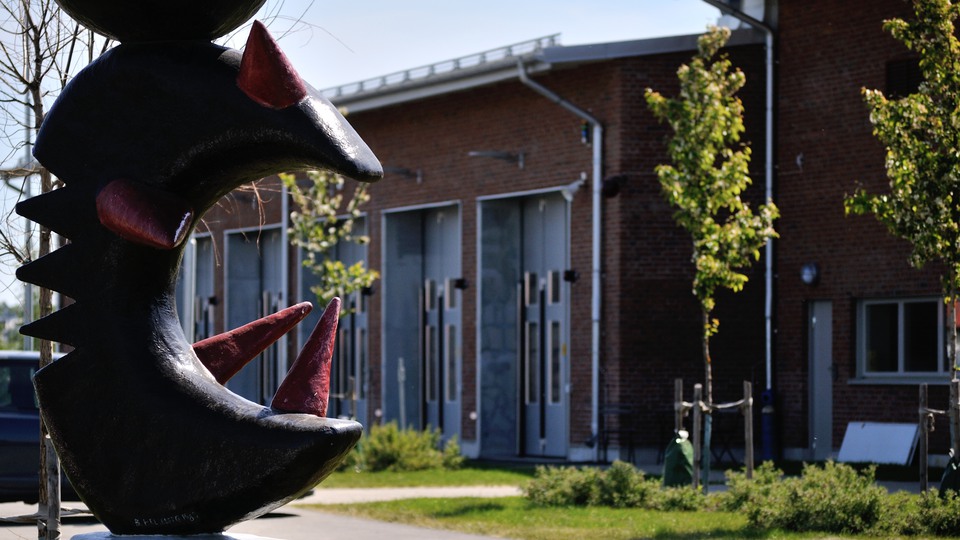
678, 461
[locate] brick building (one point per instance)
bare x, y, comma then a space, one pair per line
874, 299
486, 321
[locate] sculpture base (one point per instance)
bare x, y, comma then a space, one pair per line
106, 535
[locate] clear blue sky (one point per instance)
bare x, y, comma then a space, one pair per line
345, 42
340, 42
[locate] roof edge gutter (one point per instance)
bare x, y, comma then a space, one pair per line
768, 174
595, 243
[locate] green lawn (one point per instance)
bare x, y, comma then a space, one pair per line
469, 475
512, 517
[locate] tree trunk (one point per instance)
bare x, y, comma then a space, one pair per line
953, 412
49, 467
708, 403
707, 367
49, 522
695, 436
924, 442
748, 428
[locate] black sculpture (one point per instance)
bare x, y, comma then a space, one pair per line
146, 139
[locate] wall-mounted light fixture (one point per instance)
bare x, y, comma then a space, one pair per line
403, 171
498, 154
610, 187
810, 273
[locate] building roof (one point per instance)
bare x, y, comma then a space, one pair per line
495, 65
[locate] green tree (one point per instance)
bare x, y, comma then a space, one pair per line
323, 219
921, 133
709, 173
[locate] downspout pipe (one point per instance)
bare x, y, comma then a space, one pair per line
768, 174
595, 243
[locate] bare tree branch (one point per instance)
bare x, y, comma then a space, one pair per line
39, 48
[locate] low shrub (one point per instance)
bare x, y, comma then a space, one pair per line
832, 498
940, 515
741, 490
901, 515
452, 459
924, 514
620, 486
828, 498
624, 486
562, 486
680, 499
388, 448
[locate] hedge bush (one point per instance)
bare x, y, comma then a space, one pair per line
925, 514
623, 486
835, 498
388, 448
741, 490
832, 498
828, 498
620, 486
562, 486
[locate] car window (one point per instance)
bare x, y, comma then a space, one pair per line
16, 388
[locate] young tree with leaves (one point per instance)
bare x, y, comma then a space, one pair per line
708, 175
921, 133
322, 220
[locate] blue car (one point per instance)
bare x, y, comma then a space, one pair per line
20, 430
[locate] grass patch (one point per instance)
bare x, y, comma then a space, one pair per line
831, 501
471, 474
514, 517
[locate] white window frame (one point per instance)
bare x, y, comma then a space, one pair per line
901, 375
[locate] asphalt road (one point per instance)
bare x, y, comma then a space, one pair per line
291, 522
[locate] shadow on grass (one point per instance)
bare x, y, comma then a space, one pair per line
472, 508
719, 532
712, 533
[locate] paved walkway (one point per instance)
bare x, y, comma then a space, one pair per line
352, 495
294, 522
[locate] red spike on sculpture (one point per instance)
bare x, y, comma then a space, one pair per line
266, 76
306, 388
226, 354
144, 215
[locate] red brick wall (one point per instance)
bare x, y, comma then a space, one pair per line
650, 320
827, 52
435, 136
657, 321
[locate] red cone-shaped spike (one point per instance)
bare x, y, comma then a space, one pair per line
306, 387
144, 215
266, 76
225, 354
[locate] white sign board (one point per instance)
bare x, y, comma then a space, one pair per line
875, 442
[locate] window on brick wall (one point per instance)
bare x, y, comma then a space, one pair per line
901, 338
